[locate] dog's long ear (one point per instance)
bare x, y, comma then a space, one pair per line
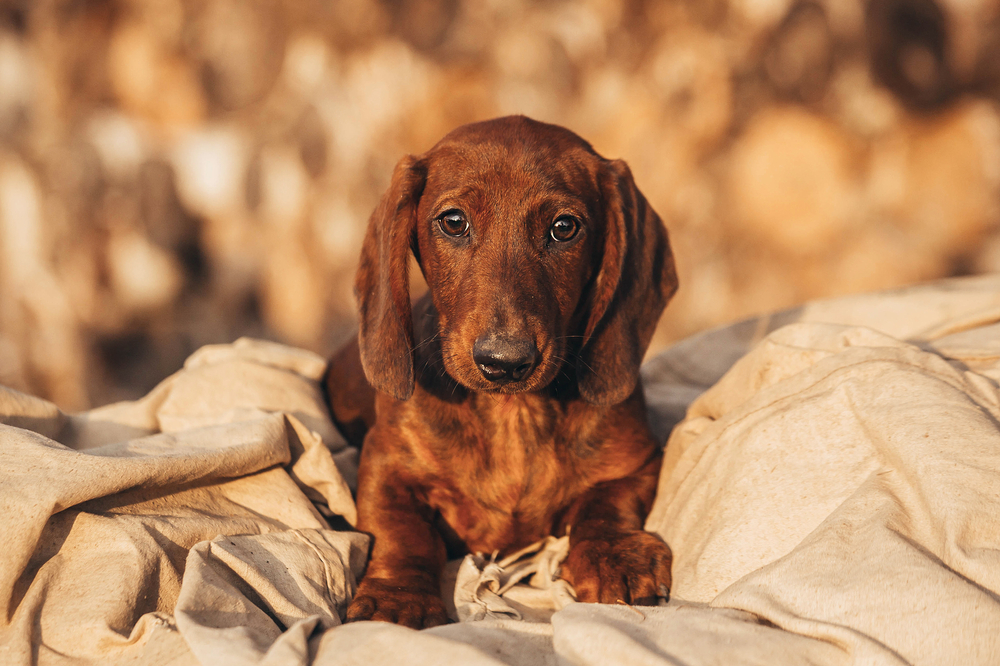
385, 335
636, 279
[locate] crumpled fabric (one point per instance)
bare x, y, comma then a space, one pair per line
113, 517
525, 585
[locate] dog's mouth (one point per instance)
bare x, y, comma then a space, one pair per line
530, 382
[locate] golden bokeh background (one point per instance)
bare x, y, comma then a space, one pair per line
175, 173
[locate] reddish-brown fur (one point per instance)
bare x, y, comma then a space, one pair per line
456, 460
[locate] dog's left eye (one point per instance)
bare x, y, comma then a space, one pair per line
454, 224
564, 228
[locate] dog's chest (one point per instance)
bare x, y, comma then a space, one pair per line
511, 478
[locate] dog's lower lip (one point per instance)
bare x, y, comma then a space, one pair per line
512, 387
506, 389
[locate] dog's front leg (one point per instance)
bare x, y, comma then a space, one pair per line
611, 559
402, 582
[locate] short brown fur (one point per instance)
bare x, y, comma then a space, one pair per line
454, 461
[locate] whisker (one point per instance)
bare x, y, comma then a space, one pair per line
588, 366
426, 341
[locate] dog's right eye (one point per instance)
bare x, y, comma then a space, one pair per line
454, 224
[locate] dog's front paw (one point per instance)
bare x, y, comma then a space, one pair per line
390, 600
619, 567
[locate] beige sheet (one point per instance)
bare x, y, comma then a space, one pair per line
833, 497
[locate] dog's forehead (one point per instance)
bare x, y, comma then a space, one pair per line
517, 133
513, 152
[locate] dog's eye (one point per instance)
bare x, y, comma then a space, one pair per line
564, 228
453, 223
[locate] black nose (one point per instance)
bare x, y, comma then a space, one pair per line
504, 360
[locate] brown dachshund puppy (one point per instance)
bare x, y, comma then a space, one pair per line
507, 405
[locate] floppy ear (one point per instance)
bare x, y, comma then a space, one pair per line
636, 279
385, 335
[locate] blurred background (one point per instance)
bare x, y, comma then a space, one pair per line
182, 172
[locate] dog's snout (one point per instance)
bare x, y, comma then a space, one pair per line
503, 360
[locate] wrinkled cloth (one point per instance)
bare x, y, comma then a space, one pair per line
489, 588
830, 490
113, 518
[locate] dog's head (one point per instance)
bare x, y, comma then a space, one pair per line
537, 251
